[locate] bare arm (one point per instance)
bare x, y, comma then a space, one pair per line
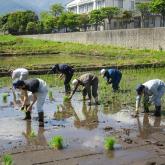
74, 90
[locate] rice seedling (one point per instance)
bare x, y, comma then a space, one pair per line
109, 143
56, 142
7, 160
50, 94
32, 134
4, 97
66, 98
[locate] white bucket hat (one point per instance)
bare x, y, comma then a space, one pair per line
102, 72
75, 82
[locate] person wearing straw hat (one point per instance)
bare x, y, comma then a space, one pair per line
112, 76
153, 91
90, 85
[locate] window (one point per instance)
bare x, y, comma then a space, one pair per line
132, 5
120, 3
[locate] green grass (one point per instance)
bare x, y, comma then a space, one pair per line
109, 143
56, 142
7, 160
69, 53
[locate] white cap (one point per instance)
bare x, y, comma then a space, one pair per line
75, 82
102, 71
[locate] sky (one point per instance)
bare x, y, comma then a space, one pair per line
35, 5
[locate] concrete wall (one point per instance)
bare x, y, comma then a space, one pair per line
147, 38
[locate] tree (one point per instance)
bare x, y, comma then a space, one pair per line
96, 18
144, 9
48, 22
31, 28
83, 21
126, 16
56, 9
18, 21
72, 21
109, 13
158, 6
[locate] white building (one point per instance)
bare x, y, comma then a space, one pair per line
85, 6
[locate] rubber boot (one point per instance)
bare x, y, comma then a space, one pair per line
41, 119
27, 116
96, 101
157, 112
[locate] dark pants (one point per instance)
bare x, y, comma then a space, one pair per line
68, 77
115, 84
93, 87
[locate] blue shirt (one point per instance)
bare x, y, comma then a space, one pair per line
113, 74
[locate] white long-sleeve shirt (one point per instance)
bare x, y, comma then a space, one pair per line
20, 73
153, 90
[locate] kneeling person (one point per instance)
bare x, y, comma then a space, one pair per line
39, 91
89, 82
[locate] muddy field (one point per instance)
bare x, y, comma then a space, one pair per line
139, 140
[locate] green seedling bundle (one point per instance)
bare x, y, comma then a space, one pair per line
109, 143
7, 160
56, 142
32, 134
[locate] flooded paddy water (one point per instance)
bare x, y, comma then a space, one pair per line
138, 140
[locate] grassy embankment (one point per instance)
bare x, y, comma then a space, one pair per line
41, 54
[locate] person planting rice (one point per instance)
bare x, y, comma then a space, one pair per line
39, 91
152, 90
112, 76
19, 73
18, 103
89, 82
65, 71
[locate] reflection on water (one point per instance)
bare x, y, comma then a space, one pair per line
146, 128
75, 121
39, 139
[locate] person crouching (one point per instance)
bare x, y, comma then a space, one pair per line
39, 91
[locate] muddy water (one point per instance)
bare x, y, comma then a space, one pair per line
80, 125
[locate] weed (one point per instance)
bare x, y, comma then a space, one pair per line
109, 143
4, 97
56, 142
7, 160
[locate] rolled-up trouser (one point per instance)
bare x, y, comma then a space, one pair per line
41, 96
157, 100
68, 77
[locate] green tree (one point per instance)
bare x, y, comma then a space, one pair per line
126, 16
83, 20
56, 9
61, 23
144, 9
31, 28
72, 21
109, 13
158, 6
48, 22
96, 18
18, 21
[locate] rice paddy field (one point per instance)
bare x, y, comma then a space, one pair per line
75, 133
